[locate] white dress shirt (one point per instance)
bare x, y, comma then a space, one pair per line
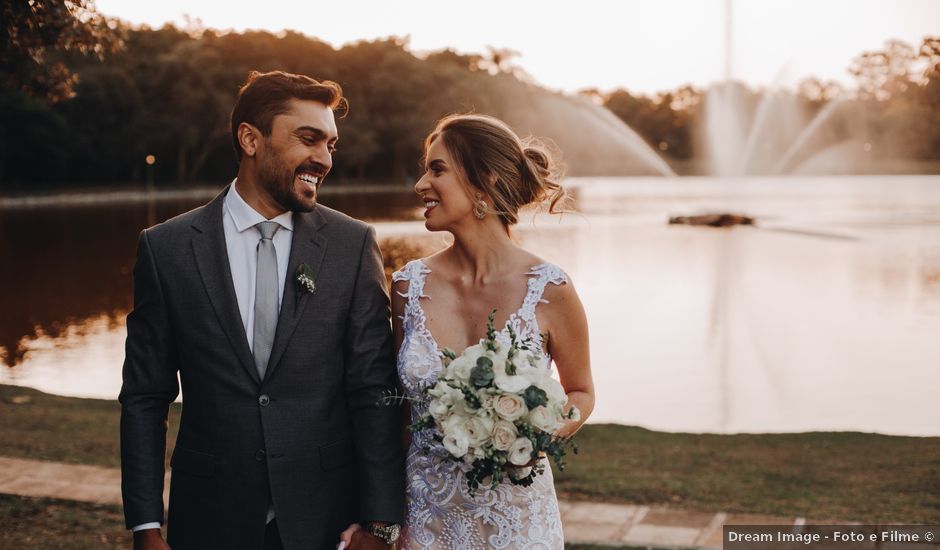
241, 243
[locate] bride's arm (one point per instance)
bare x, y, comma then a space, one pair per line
568, 344
398, 310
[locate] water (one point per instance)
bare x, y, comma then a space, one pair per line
824, 317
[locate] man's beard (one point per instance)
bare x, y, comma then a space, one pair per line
278, 180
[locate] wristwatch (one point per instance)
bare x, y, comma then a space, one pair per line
387, 532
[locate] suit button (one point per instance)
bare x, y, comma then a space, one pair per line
264, 400
259, 456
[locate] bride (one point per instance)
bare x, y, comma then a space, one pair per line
478, 174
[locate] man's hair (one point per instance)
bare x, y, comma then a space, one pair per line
266, 95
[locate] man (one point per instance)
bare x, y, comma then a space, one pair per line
273, 311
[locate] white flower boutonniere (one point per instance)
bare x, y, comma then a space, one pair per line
305, 279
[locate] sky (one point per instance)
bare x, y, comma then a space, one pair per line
644, 46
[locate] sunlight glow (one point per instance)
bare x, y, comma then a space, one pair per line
640, 45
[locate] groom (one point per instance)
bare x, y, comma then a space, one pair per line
273, 311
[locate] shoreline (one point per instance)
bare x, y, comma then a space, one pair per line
95, 196
92, 195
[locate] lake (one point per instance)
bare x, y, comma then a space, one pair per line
824, 316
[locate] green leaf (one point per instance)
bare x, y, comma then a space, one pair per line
482, 374
535, 397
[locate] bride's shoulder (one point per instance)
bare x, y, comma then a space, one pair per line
555, 284
560, 302
548, 271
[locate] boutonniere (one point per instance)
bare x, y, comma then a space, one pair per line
305, 279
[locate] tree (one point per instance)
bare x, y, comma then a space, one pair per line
883, 74
34, 31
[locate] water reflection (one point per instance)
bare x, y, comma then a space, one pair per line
76, 264
822, 317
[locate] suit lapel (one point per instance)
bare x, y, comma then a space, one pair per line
212, 261
307, 247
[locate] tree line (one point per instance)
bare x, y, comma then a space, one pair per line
894, 108
85, 99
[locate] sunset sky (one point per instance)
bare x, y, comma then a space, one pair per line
644, 46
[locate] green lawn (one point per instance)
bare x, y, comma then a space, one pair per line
847, 476
819, 475
49, 427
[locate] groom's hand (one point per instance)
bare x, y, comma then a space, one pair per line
357, 538
149, 539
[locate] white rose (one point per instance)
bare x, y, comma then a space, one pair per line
520, 452
527, 370
457, 443
511, 384
541, 418
451, 423
522, 357
484, 412
510, 406
478, 429
499, 361
553, 389
473, 353
459, 369
439, 389
504, 435
438, 408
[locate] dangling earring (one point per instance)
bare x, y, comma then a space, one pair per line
479, 207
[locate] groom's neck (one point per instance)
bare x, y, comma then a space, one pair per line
250, 191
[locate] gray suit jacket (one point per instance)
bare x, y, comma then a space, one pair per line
310, 436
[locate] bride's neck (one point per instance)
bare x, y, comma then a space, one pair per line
481, 253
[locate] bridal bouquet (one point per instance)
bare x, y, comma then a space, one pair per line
496, 408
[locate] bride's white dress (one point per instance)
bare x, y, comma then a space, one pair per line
441, 512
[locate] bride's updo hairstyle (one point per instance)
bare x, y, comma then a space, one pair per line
512, 171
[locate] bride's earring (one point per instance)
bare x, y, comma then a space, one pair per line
479, 207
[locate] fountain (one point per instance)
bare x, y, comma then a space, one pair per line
776, 137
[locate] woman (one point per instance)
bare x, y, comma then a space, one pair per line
478, 174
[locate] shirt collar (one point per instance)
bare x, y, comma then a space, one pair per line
246, 217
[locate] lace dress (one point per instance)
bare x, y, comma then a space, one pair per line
441, 512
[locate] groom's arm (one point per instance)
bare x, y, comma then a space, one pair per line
370, 371
150, 385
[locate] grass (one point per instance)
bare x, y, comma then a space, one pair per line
847, 476
49, 523
41, 426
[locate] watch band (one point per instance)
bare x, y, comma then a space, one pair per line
388, 533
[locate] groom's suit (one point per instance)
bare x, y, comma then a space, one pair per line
309, 438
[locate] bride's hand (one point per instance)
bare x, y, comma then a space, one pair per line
346, 536
567, 429
528, 464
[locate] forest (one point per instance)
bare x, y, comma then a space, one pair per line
84, 99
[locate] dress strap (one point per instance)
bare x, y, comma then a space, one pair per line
539, 277
415, 272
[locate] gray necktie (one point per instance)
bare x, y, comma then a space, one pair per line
265, 297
